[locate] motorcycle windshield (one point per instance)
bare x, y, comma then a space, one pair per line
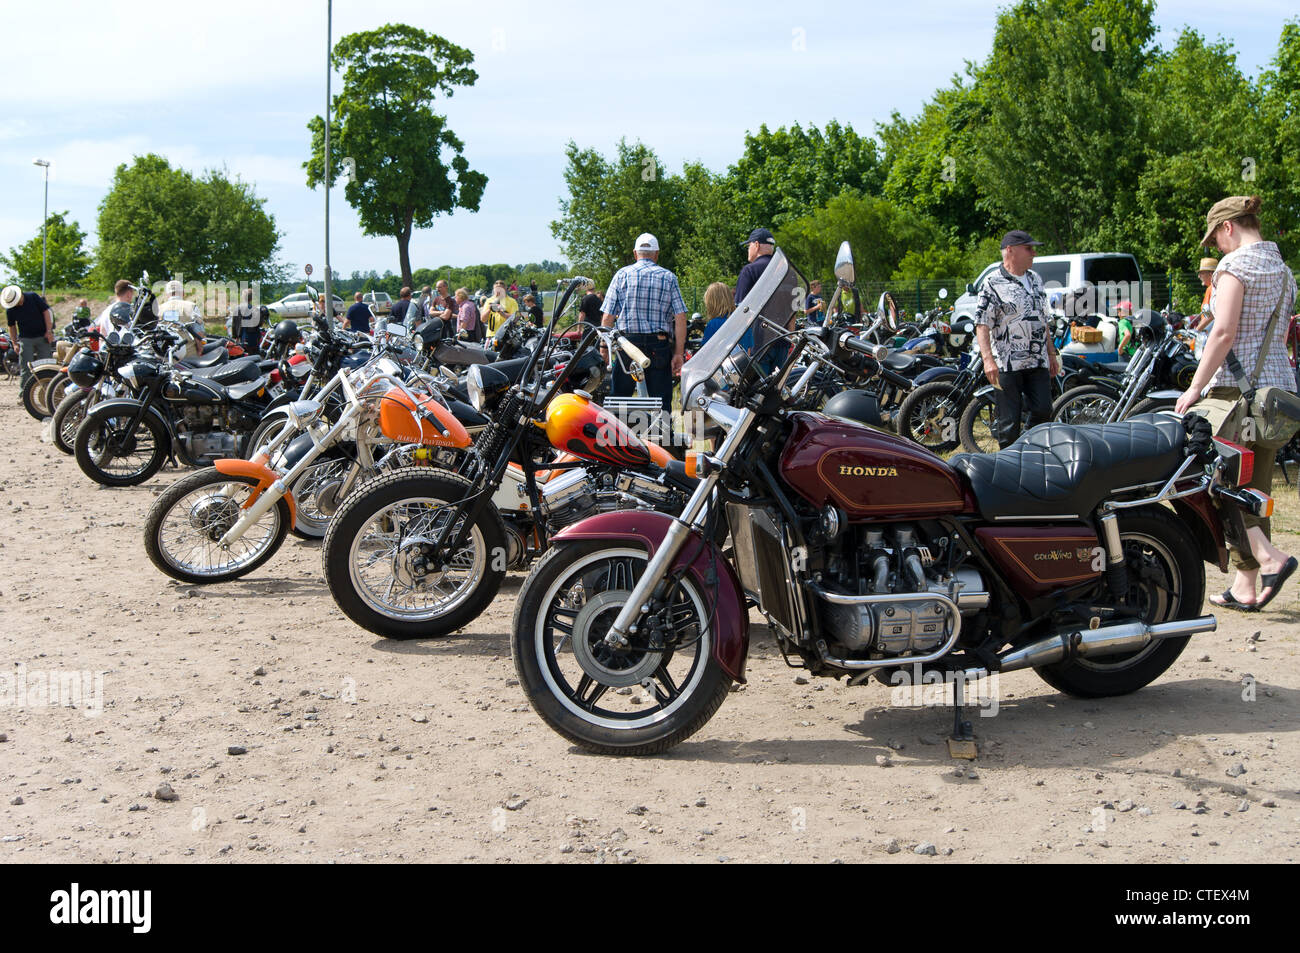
766, 309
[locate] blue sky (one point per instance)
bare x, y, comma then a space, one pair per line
233, 84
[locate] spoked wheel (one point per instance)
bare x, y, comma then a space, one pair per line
978, 428
640, 700
68, 415
110, 454
183, 530
316, 493
1166, 582
57, 389
33, 395
383, 564
1084, 405
930, 417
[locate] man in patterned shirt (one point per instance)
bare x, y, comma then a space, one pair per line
1011, 328
647, 303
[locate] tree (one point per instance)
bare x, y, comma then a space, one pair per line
784, 173
711, 251
1062, 137
1279, 161
67, 262
408, 163
610, 203
165, 220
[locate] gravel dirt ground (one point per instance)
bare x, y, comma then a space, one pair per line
358, 749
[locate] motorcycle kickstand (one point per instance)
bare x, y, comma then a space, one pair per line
961, 744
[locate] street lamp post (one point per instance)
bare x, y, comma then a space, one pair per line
329, 177
45, 164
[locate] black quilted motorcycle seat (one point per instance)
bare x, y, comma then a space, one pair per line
899, 360
210, 357
242, 390
1059, 469
234, 372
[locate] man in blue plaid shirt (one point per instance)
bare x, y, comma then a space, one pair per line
647, 304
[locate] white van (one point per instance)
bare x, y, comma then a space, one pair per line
1096, 280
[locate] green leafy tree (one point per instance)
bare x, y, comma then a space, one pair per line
67, 262
167, 221
409, 166
711, 251
1062, 135
611, 202
783, 173
1279, 160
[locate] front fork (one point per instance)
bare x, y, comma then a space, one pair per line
642, 595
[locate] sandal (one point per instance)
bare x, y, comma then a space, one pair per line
1231, 602
1273, 581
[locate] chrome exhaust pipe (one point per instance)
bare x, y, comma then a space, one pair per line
1093, 643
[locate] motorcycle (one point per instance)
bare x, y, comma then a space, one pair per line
196, 416
421, 552
869, 556
1152, 380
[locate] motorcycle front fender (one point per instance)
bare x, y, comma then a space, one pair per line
122, 406
647, 528
985, 391
264, 475
942, 373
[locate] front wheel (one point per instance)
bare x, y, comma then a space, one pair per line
1090, 404
930, 416
1153, 405
183, 531
110, 452
978, 427
640, 700
1166, 583
383, 565
68, 415
33, 395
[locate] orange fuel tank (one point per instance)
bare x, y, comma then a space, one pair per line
398, 421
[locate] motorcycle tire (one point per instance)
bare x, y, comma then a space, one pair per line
267, 428
56, 388
1166, 582
34, 393
550, 660
1152, 405
192, 503
97, 427
1084, 405
917, 422
977, 428
377, 505
311, 521
68, 415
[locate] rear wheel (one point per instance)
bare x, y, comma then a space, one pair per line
1166, 583
930, 417
641, 700
109, 454
185, 525
56, 389
1084, 405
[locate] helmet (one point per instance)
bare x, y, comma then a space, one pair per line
587, 372
85, 369
285, 332
859, 406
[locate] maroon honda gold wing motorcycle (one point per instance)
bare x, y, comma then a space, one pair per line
1078, 552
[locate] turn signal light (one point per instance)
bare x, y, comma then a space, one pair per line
697, 465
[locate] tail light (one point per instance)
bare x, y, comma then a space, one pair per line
275, 376
1238, 462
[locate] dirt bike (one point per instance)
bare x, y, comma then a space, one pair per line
421, 552
870, 556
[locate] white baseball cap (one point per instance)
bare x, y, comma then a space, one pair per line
9, 297
646, 242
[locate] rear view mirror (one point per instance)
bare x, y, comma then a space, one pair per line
844, 263
970, 289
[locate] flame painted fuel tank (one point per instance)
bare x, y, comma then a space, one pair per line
577, 425
868, 473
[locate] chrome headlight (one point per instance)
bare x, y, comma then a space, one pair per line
127, 373
474, 385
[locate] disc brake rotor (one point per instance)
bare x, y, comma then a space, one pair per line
607, 665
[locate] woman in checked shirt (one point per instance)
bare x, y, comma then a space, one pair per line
1249, 284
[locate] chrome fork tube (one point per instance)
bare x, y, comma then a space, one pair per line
638, 600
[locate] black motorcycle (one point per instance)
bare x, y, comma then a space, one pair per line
192, 416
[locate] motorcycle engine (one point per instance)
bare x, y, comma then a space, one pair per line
895, 563
204, 437
576, 494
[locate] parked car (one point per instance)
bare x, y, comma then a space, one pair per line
379, 301
299, 305
1074, 275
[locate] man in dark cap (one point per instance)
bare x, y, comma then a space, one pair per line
760, 245
1011, 328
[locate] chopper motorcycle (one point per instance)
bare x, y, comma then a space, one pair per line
869, 555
